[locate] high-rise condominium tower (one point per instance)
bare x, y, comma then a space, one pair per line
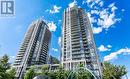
34, 49
78, 45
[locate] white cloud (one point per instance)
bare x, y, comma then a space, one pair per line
101, 3
52, 26
114, 55
105, 16
73, 3
88, 1
107, 19
83, 2
94, 12
11, 59
114, 8
97, 1
122, 10
55, 9
111, 5
54, 49
59, 41
93, 20
97, 30
109, 46
92, 3
102, 48
59, 20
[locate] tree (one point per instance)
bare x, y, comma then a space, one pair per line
67, 72
4, 62
2, 72
45, 69
60, 74
4, 65
30, 74
111, 71
11, 73
52, 74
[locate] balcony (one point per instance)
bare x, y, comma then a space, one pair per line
76, 53
73, 32
76, 37
75, 46
77, 49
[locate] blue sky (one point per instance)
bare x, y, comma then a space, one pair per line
109, 18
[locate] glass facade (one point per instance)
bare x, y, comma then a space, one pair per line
34, 49
78, 45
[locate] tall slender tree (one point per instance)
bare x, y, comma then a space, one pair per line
4, 65
4, 62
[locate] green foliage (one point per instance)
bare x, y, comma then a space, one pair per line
30, 74
83, 74
4, 59
52, 75
2, 72
4, 62
80, 73
81, 65
45, 69
11, 73
5, 71
67, 72
60, 73
111, 71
